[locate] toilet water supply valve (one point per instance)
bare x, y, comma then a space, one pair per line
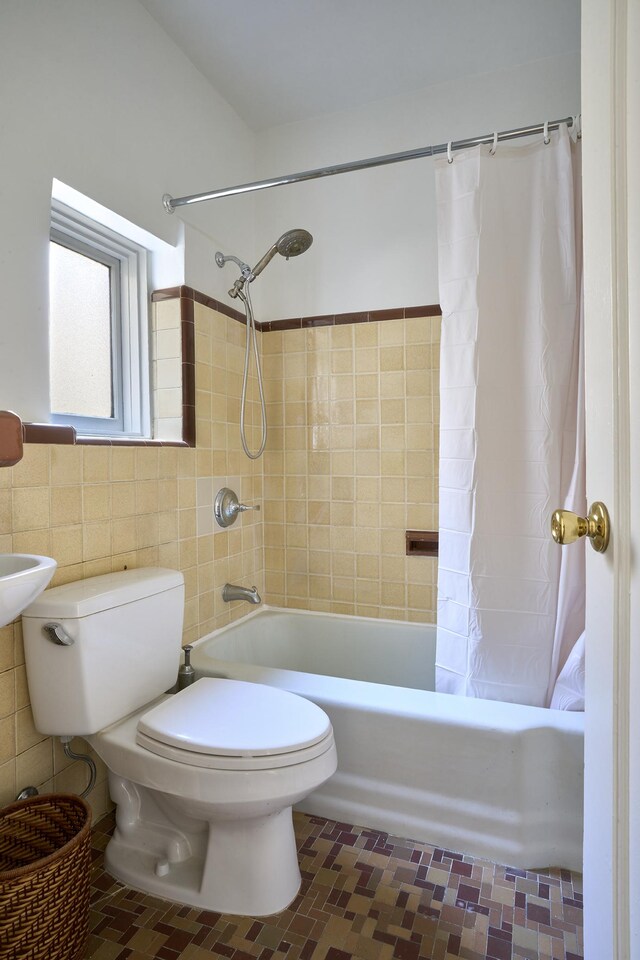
186, 673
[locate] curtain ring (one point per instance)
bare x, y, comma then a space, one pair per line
575, 128
547, 138
449, 157
493, 149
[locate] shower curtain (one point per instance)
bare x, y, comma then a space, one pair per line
510, 601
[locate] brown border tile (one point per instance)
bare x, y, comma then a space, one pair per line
48, 433
187, 321
429, 310
293, 324
188, 293
297, 323
326, 320
341, 318
364, 316
396, 313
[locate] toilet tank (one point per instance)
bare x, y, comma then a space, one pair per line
126, 629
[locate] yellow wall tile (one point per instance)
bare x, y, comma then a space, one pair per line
7, 738
66, 465
351, 458
30, 508
96, 464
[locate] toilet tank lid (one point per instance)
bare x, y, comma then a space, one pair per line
81, 598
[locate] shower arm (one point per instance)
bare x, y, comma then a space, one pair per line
246, 273
249, 275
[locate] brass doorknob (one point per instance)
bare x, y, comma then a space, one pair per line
567, 527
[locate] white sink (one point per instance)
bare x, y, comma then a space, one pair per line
23, 577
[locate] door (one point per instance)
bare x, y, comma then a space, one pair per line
611, 180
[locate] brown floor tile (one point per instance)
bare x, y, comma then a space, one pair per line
364, 896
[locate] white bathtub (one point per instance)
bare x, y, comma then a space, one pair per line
491, 779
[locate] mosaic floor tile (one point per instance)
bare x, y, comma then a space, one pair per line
365, 895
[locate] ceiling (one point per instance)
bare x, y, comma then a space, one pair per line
279, 61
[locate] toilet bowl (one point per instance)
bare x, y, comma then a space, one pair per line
204, 780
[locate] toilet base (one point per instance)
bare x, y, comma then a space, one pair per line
247, 867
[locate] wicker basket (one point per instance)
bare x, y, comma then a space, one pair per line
45, 860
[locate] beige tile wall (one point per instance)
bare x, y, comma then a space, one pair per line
97, 508
351, 464
166, 369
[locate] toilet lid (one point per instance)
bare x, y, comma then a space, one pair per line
234, 718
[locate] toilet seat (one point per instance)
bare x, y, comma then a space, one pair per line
235, 725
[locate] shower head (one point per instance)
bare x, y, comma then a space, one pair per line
291, 244
294, 242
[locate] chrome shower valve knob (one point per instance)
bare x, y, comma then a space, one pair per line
226, 507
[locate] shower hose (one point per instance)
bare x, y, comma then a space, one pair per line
245, 296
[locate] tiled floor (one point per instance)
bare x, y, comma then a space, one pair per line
364, 895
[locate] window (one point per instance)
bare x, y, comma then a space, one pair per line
98, 327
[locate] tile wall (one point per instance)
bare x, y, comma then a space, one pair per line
97, 509
350, 464
166, 370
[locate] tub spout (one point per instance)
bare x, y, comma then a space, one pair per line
232, 591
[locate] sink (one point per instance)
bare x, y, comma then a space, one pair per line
23, 577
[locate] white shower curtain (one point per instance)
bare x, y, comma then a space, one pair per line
510, 601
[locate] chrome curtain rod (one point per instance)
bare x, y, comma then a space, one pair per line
170, 203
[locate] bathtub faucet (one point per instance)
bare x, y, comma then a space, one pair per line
232, 591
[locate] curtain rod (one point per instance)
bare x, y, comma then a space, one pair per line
170, 203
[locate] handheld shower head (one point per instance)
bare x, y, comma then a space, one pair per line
294, 242
291, 244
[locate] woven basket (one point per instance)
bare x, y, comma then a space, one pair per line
45, 861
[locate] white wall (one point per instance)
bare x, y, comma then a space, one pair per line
375, 231
95, 94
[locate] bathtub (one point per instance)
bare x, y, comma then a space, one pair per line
495, 780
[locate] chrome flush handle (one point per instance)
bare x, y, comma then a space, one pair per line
57, 634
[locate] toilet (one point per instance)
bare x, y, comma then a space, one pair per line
204, 780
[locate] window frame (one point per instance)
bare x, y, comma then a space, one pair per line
128, 264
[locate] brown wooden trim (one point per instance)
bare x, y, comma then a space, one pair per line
421, 543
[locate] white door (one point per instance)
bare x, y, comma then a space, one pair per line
611, 158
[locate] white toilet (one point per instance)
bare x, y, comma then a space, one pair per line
204, 780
